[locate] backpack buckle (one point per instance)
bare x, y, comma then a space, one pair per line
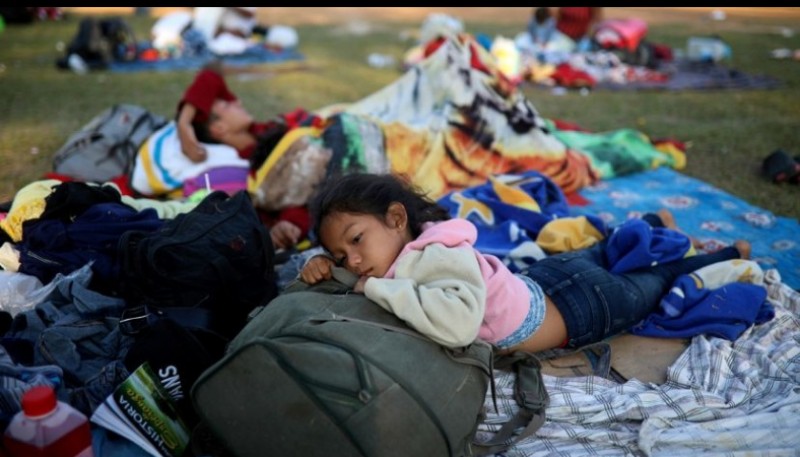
134, 319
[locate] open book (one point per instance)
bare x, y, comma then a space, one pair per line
141, 410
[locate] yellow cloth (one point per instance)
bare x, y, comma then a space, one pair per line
28, 204
568, 234
678, 155
540, 72
514, 196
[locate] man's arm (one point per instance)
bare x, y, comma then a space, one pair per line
190, 147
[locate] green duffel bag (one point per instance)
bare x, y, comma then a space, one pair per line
321, 372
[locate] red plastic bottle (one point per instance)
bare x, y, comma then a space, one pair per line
47, 427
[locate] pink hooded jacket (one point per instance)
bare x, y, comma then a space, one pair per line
444, 288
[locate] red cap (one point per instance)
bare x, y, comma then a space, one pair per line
38, 401
208, 85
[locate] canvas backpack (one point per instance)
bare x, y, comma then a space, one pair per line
106, 146
321, 372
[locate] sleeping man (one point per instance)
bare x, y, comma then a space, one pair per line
213, 145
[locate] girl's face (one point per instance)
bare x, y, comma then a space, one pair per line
365, 244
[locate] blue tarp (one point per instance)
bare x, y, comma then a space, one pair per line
702, 211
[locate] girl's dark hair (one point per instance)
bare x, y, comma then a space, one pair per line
367, 193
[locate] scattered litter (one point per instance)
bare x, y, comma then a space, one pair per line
785, 53
34, 150
77, 64
381, 60
355, 27
707, 49
408, 35
781, 53
718, 15
282, 37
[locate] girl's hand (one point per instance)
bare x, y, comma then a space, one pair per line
317, 269
359, 286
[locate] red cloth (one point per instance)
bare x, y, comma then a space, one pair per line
208, 85
121, 181
662, 52
576, 199
567, 125
297, 215
431, 46
676, 143
57, 176
300, 117
574, 21
567, 76
256, 129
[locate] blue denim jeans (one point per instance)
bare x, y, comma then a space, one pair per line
75, 328
596, 303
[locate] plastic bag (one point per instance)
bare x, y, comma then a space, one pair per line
20, 292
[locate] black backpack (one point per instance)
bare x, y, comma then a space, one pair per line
322, 372
189, 287
100, 42
209, 267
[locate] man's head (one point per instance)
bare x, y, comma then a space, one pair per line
218, 112
225, 118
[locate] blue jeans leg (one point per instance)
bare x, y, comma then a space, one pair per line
654, 282
595, 303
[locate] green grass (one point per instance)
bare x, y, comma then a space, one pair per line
729, 131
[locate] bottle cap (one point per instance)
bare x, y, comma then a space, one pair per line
38, 401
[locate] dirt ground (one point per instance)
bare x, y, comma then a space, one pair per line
788, 16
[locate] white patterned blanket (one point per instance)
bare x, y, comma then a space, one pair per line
721, 398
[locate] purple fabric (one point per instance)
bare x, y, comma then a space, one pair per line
227, 179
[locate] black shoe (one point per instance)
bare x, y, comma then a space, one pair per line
781, 167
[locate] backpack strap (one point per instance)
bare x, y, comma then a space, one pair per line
531, 396
127, 143
135, 319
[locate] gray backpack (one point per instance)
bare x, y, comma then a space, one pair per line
107, 145
321, 372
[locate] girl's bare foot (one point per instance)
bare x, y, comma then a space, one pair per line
743, 247
669, 222
667, 219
